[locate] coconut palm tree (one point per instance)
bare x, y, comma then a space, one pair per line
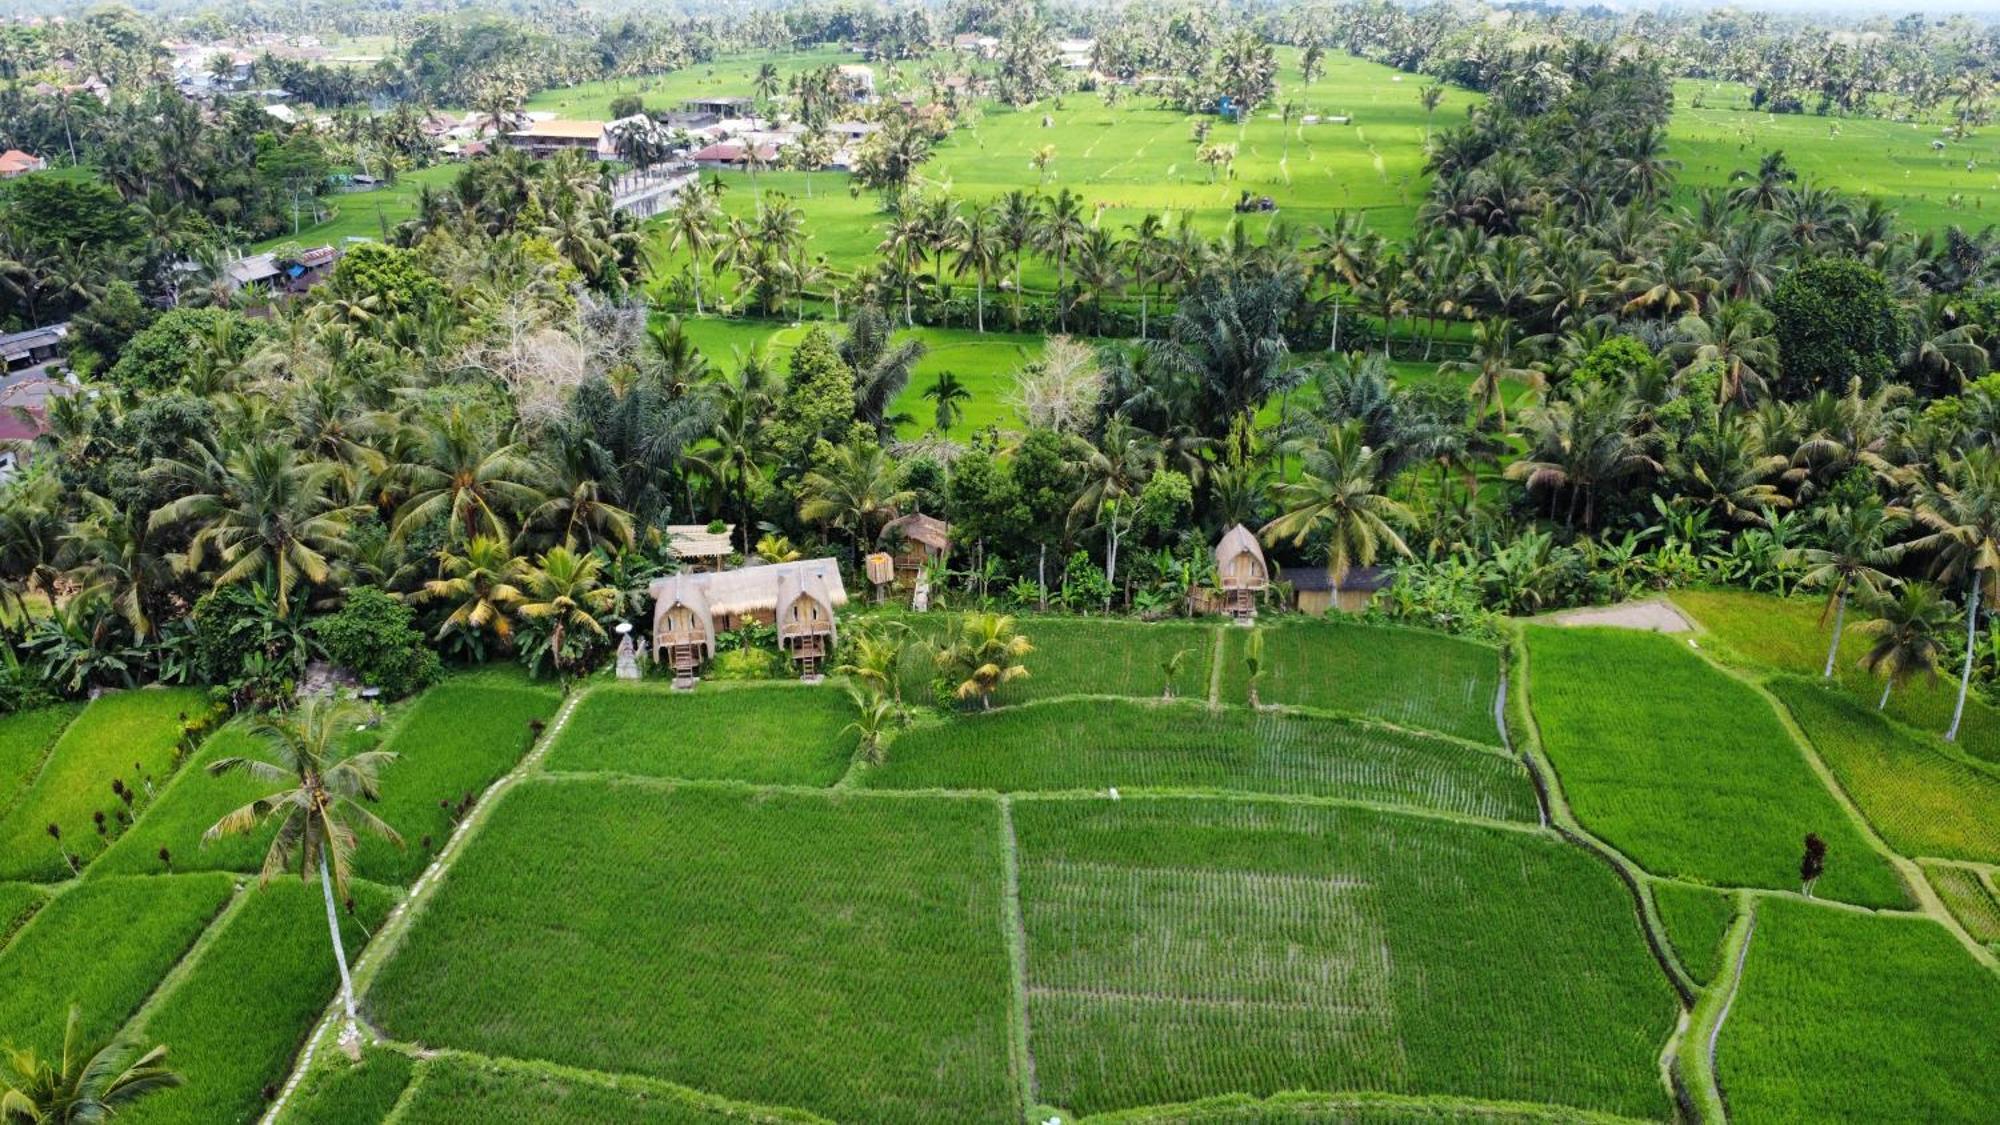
1959, 505
318, 813
986, 654
1059, 234
563, 591
1015, 224
691, 225
78, 1088
1908, 629
1492, 364
457, 474
856, 491
1338, 501
482, 586
975, 239
1848, 562
874, 717
950, 395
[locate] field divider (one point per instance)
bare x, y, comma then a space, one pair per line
239, 897
1215, 667
390, 935
1019, 1046
1714, 1011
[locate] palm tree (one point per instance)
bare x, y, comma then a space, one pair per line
562, 589
1429, 96
1856, 545
482, 587
1337, 500
1907, 628
986, 654
319, 811
874, 717
691, 224
976, 237
950, 395
1492, 364
78, 1089
855, 491
1015, 225
459, 475
1170, 668
1960, 505
1058, 235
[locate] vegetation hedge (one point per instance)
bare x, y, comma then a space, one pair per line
1688, 771
769, 733
1095, 744
1405, 676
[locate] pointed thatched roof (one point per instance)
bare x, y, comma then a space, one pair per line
1236, 541
678, 590
920, 528
752, 588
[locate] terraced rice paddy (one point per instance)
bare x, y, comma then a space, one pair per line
1842, 1016
1421, 680
1179, 949
1695, 918
1971, 898
455, 1088
1186, 746
339, 1093
25, 739
620, 927
1634, 724
771, 734
1085, 657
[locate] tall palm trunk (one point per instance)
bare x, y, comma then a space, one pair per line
1965, 675
339, 950
979, 300
1839, 616
1882, 704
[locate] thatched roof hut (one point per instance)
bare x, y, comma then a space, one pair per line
1239, 561
695, 543
800, 598
916, 540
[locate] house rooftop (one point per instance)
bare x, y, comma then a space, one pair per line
696, 541
561, 128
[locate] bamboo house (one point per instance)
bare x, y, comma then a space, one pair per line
1241, 572
800, 599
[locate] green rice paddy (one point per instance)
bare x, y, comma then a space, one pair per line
773, 734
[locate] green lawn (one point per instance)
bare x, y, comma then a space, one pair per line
1687, 771
767, 733
1428, 681
1923, 800
102, 945
128, 736
1760, 630
234, 1023
1695, 918
367, 214
1843, 1016
1182, 949
25, 738
842, 955
1186, 746
450, 745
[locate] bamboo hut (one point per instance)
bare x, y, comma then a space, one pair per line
915, 540
1241, 572
698, 547
800, 598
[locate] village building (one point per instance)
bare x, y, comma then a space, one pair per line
1241, 572
18, 430
1315, 591
853, 132
719, 106
914, 541
858, 80
27, 352
14, 162
1076, 53
277, 275
543, 139
698, 547
733, 155
800, 599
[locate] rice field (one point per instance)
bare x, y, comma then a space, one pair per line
337, 1092
1695, 918
233, 1024
1922, 799
1097, 656
102, 945
1845, 1016
1970, 897
25, 738
1189, 747
1785, 634
1688, 771
454, 1088
450, 745
127, 736
1179, 949
621, 927
773, 734
1358, 1108
18, 903
1428, 681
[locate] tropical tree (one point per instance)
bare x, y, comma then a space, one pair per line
1337, 503
79, 1089
975, 239
986, 653
458, 476
950, 395
1908, 628
857, 491
691, 227
1959, 505
563, 594
318, 813
482, 587
1848, 561
1492, 363
874, 716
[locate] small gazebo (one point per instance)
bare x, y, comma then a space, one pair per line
918, 539
1242, 573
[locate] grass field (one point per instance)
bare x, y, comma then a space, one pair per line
1424, 680
1969, 897
1923, 801
234, 1023
450, 744
1094, 744
1785, 634
367, 214
129, 736
455, 1088
1695, 918
623, 927
723, 76
1688, 771
1842, 1016
1872, 156
25, 739
101, 945
1181, 949
768, 733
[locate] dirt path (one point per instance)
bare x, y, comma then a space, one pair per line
1654, 615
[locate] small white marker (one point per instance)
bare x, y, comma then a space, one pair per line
1114, 792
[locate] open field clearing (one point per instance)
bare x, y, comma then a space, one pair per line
1785, 633
25, 738
1695, 918
450, 744
1094, 744
128, 736
1092, 656
1868, 156
455, 1088
1402, 676
723, 76
1687, 771
621, 927
367, 214
235, 1021
776, 734
335, 1092
1843, 1016
1969, 897
103, 945
1180, 949
1923, 800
